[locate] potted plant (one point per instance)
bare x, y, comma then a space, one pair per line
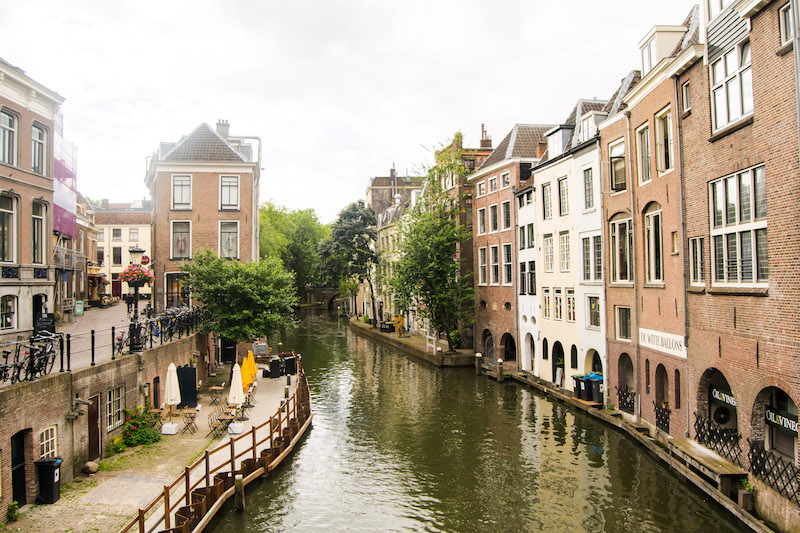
136, 276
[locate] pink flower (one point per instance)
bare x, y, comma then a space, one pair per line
134, 427
127, 419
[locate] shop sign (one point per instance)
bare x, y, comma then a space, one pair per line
722, 397
781, 420
663, 342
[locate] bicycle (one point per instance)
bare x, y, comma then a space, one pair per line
124, 339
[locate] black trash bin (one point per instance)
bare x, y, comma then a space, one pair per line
576, 383
290, 364
597, 391
274, 367
586, 389
49, 472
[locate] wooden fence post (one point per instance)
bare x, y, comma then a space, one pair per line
208, 470
233, 458
142, 520
166, 507
188, 485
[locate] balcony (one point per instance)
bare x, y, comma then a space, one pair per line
65, 259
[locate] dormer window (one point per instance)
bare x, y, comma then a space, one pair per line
586, 129
649, 58
715, 7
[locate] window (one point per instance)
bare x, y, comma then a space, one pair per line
597, 241
675, 242
531, 277
548, 253
8, 130
229, 192
570, 305
493, 184
133, 234
739, 227
647, 375
495, 253
523, 279
505, 180
787, 27
176, 293
481, 221
48, 443
696, 251
621, 247
563, 197
587, 259
594, 311
229, 239
643, 144
664, 152
506, 215
563, 238
116, 234
557, 304
616, 154
588, 189
8, 312
715, 7
586, 129
548, 210
482, 266
624, 323
546, 302
732, 86
649, 57
677, 389
507, 266
481, 189
522, 237
8, 227
493, 219
181, 240
101, 236
38, 236
114, 407
38, 149
686, 95
116, 255
181, 192
531, 237
101, 256
654, 256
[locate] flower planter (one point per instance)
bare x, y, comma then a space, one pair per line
136, 284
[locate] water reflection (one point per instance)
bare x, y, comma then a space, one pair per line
398, 445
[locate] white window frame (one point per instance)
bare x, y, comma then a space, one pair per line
532, 277
482, 221
616, 153
48, 442
180, 207
113, 256
563, 197
686, 96
618, 321
172, 240
482, 265
115, 405
492, 184
732, 230
508, 264
505, 180
654, 246
481, 188
505, 213
133, 234
649, 56
722, 83
39, 220
627, 247
563, 249
583, 135
494, 265
597, 246
547, 198
548, 253
786, 22
522, 237
219, 238
571, 305
665, 141
229, 207
38, 149
588, 189
586, 260
558, 304
715, 7
697, 261
546, 302
9, 136
12, 230
523, 278
494, 219
114, 233
8, 317
589, 324
644, 168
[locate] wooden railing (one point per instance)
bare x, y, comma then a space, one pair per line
188, 503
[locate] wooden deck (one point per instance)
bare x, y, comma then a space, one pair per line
710, 464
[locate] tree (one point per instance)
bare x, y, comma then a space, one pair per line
242, 301
349, 251
429, 278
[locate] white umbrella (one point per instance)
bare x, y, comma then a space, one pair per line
236, 394
172, 392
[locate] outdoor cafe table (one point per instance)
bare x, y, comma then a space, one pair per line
216, 393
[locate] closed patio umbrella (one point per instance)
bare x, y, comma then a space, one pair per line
236, 394
172, 392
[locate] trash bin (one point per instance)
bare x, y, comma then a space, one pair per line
576, 382
265, 373
274, 367
49, 472
290, 365
597, 392
586, 389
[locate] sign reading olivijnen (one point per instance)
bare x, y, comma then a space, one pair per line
723, 397
781, 420
663, 342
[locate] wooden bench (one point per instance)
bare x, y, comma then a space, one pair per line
709, 464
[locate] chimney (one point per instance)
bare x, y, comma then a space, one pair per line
104, 203
486, 139
223, 128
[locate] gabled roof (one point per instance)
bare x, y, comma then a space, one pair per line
203, 144
573, 123
615, 104
522, 141
692, 35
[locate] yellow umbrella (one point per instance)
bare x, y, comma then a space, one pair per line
253, 369
245, 375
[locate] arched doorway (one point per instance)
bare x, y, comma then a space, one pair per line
558, 362
662, 386
716, 401
509, 347
530, 353
488, 345
593, 362
774, 422
626, 396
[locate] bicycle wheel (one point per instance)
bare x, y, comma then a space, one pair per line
50, 359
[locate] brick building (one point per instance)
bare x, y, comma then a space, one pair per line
493, 224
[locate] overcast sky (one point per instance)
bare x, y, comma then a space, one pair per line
338, 90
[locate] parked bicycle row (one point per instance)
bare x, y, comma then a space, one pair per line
27, 360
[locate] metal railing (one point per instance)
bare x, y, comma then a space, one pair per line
724, 441
662, 417
777, 472
31, 359
626, 399
185, 502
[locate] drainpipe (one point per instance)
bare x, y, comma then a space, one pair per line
515, 267
796, 51
634, 338
684, 249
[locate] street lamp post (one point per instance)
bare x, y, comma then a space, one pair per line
136, 341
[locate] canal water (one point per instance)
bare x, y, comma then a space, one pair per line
399, 445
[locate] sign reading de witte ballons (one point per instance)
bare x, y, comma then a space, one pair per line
663, 342
723, 397
781, 420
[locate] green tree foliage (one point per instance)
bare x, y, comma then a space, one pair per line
243, 301
429, 279
349, 251
293, 237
